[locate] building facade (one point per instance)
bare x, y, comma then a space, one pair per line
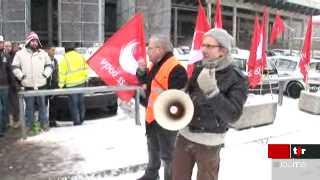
92, 21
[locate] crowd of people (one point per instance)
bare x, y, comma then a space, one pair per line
217, 88
33, 67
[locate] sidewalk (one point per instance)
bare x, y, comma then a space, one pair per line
115, 148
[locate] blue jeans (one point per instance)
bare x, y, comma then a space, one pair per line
30, 109
4, 115
77, 108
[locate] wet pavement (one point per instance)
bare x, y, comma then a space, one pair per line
69, 152
36, 160
33, 160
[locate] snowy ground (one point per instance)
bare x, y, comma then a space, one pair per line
115, 148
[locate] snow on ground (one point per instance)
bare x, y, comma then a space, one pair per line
117, 144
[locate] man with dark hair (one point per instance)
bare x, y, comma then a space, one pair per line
73, 72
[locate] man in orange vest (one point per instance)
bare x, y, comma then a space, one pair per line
165, 73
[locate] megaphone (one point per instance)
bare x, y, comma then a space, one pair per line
173, 109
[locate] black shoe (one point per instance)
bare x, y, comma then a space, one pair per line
77, 124
145, 177
53, 124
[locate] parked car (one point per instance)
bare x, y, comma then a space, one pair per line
284, 52
240, 56
288, 66
106, 101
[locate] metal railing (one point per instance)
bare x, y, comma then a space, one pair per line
82, 90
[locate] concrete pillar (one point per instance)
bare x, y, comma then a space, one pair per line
175, 29
234, 25
209, 11
50, 23
157, 16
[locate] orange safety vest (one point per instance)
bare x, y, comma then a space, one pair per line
158, 85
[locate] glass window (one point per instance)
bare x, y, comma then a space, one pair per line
286, 65
240, 63
315, 67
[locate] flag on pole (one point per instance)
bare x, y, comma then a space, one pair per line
116, 61
254, 61
202, 26
277, 28
305, 52
218, 15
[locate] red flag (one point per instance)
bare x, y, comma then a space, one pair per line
218, 15
254, 61
116, 61
305, 53
202, 26
277, 28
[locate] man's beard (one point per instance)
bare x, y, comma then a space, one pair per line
34, 48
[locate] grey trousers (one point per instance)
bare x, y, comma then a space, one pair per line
160, 148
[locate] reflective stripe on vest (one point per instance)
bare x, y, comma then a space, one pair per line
158, 85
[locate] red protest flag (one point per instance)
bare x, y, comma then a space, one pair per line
305, 52
116, 61
202, 26
218, 15
277, 28
254, 62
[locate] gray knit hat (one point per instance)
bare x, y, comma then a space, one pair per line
222, 36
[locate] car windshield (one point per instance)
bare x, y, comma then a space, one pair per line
82, 50
315, 66
239, 63
286, 65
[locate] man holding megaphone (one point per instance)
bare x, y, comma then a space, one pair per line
165, 73
218, 91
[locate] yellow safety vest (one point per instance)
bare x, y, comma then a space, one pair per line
73, 70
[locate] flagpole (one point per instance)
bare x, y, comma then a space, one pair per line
308, 67
209, 9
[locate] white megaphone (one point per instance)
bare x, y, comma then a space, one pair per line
173, 109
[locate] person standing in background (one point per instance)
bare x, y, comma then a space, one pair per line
32, 67
13, 87
4, 87
52, 84
73, 72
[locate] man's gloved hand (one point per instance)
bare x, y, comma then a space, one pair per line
207, 82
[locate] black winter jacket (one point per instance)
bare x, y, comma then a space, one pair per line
214, 114
4, 70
